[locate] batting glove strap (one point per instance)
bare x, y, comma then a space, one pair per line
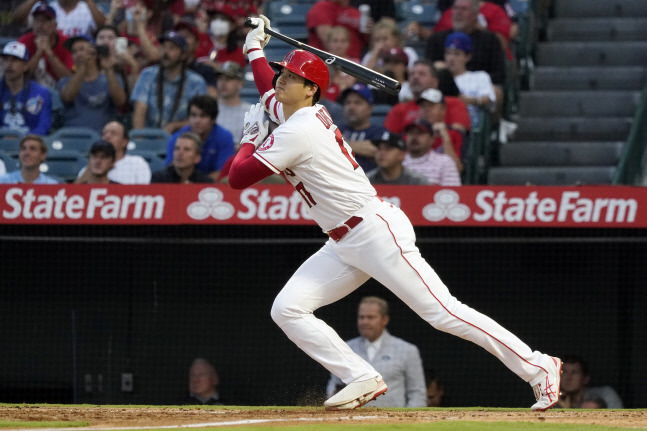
253, 54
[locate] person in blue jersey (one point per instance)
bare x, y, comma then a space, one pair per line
24, 105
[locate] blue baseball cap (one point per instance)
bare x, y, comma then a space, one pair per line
174, 37
459, 40
16, 49
70, 41
359, 88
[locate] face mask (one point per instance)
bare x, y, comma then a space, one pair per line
219, 27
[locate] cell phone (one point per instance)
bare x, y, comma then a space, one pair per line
103, 51
121, 45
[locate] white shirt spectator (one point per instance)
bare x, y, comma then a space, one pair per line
438, 168
76, 22
131, 170
232, 118
476, 84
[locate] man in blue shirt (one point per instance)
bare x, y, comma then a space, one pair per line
162, 92
218, 143
33, 152
357, 128
24, 105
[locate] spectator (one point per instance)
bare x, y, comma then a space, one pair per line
183, 169
487, 53
141, 43
476, 88
101, 159
423, 75
45, 42
94, 94
162, 92
337, 42
385, 37
492, 17
575, 392
438, 168
224, 36
231, 108
357, 128
395, 66
26, 106
186, 27
389, 157
32, 152
218, 144
396, 360
379, 9
327, 13
127, 169
203, 384
125, 64
446, 140
435, 390
73, 17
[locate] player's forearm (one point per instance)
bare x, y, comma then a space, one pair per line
71, 89
246, 169
263, 72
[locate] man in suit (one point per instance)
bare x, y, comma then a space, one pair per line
396, 360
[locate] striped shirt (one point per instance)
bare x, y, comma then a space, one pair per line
438, 168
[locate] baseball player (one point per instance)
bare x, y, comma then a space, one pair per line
368, 237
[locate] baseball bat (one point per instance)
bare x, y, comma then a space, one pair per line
360, 72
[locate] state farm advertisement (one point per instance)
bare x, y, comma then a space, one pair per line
605, 206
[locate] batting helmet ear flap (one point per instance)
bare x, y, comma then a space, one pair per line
276, 77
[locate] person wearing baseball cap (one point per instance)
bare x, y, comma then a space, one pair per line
198, 45
475, 87
231, 107
95, 93
357, 102
24, 105
45, 42
436, 167
73, 16
391, 150
162, 92
432, 108
101, 159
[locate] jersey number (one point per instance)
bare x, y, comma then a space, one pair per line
305, 194
325, 118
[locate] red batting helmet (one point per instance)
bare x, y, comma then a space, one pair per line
306, 65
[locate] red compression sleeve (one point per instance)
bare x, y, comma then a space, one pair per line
246, 169
263, 74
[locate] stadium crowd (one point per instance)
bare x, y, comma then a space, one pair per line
168, 68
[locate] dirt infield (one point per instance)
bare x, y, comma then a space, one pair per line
105, 417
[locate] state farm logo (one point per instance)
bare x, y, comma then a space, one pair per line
446, 205
210, 203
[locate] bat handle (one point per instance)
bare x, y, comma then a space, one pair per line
249, 23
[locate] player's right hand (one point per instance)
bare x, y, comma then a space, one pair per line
256, 126
257, 38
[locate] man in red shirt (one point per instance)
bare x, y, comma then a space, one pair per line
422, 76
46, 42
328, 13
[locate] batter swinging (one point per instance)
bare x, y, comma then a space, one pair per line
368, 237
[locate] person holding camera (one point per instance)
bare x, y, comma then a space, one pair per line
93, 95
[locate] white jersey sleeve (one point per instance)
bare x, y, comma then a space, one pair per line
273, 108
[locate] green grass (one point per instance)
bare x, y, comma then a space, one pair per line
43, 424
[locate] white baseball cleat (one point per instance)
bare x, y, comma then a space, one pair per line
356, 394
546, 386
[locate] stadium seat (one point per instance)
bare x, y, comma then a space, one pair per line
149, 139
9, 139
379, 114
152, 158
10, 163
64, 164
424, 12
72, 138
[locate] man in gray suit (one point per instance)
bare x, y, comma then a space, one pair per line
396, 360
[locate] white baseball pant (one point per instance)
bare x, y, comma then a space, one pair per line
383, 246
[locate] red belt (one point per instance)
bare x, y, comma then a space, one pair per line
338, 233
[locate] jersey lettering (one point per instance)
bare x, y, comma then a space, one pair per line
326, 119
305, 194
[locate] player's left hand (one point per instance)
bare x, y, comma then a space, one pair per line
257, 38
256, 126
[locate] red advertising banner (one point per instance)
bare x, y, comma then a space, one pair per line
595, 207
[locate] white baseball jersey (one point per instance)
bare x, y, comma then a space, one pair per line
311, 152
